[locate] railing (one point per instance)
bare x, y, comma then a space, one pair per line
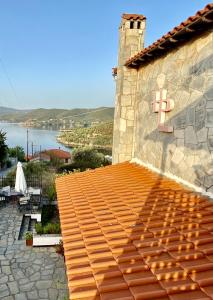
35, 181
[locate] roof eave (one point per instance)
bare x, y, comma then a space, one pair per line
169, 41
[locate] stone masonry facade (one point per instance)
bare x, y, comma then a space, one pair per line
187, 152
131, 41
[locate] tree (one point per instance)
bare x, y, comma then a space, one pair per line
88, 157
17, 152
3, 148
85, 158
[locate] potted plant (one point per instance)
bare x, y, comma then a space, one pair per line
60, 248
29, 238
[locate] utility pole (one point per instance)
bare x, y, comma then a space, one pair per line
27, 144
32, 149
40, 154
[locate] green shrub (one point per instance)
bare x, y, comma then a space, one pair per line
52, 228
39, 228
8, 164
47, 214
35, 169
51, 192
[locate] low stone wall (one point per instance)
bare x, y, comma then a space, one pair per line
46, 239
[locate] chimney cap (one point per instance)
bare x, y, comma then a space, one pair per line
133, 17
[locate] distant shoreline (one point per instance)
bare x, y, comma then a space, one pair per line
76, 145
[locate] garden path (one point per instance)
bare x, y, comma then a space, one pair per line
27, 273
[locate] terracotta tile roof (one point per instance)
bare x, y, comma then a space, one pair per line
193, 26
130, 234
133, 17
58, 153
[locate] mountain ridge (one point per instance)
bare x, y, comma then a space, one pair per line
103, 114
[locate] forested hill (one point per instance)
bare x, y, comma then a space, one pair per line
97, 136
102, 114
8, 110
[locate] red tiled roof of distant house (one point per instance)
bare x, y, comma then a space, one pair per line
131, 234
41, 155
29, 157
133, 17
59, 153
193, 26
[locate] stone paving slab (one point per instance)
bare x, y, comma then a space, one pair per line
27, 273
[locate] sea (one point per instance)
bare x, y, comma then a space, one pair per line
37, 138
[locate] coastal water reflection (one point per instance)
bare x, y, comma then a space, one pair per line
17, 135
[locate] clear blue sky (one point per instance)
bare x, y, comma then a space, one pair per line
59, 53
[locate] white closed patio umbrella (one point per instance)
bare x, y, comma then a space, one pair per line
21, 185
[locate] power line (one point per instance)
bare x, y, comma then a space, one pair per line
8, 79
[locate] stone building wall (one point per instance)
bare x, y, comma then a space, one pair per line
131, 42
187, 152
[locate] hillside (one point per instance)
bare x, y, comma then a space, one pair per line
97, 136
8, 110
102, 114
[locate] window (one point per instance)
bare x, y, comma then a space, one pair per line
139, 25
131, 24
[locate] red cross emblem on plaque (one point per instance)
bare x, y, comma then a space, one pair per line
162, 105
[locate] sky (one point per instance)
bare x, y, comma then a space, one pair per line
59, 53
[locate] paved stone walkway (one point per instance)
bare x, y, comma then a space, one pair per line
26, 272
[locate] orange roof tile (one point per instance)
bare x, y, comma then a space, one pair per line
194, 25
131, 234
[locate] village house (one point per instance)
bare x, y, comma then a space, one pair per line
143, 227
52, 154
63, 156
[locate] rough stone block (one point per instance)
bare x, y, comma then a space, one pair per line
122, 125
124, 157
210, 142
191, 116
197, 83
210, 132
190, 135
43, 294
208, 181
180, 142
21, 296
177, 157
130, 115
209, 117
180, 121
126, 100
13, 288
200, 116
43, 284
53, 294
209, 104
202, 135
179, 133
123, 112
209, 94
130, 123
